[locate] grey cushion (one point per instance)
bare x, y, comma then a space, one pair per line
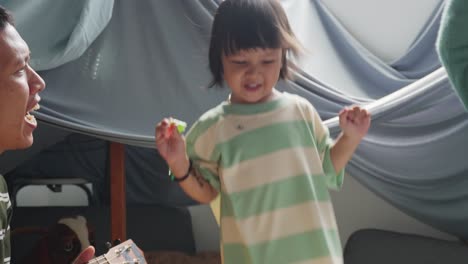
371, 246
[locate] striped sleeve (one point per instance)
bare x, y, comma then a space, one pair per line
5, 217
452, 46
201, 148
324, 143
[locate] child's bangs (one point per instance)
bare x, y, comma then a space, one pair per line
253, 33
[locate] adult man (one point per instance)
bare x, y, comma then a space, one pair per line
19, 89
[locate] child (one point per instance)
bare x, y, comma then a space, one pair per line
265, 152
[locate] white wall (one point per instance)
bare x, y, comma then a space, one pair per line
356, 208
385, 27
205, 228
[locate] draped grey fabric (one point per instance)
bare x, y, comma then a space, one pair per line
152, 55
59, 31
150, 62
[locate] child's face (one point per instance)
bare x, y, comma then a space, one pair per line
251, 74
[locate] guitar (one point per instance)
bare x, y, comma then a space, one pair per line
124, 253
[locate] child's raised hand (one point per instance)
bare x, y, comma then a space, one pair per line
169, 142
354, 121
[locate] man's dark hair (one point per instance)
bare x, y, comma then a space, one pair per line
5, 18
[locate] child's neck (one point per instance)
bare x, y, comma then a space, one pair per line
273, 96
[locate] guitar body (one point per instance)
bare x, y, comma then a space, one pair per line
59, 244
63, 242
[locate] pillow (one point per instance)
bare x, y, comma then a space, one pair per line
370, 246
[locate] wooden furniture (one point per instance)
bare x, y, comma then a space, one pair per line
118, 198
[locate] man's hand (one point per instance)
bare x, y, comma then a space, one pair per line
85, 256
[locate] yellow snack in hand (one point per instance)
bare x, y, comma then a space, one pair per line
180, 125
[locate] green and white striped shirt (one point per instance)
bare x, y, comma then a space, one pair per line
5, 217
271, 164
452, 45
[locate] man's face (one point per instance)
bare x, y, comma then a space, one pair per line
19, 88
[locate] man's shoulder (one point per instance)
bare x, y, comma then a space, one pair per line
3, 185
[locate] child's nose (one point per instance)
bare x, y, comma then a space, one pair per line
253, 69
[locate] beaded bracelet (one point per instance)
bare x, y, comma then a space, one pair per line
173, 178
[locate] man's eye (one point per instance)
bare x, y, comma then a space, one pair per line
268, 61
21, 70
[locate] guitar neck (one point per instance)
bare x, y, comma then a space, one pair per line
99, 260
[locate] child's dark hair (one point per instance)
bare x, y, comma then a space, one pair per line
250, 24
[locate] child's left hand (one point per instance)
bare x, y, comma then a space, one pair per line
354, 121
